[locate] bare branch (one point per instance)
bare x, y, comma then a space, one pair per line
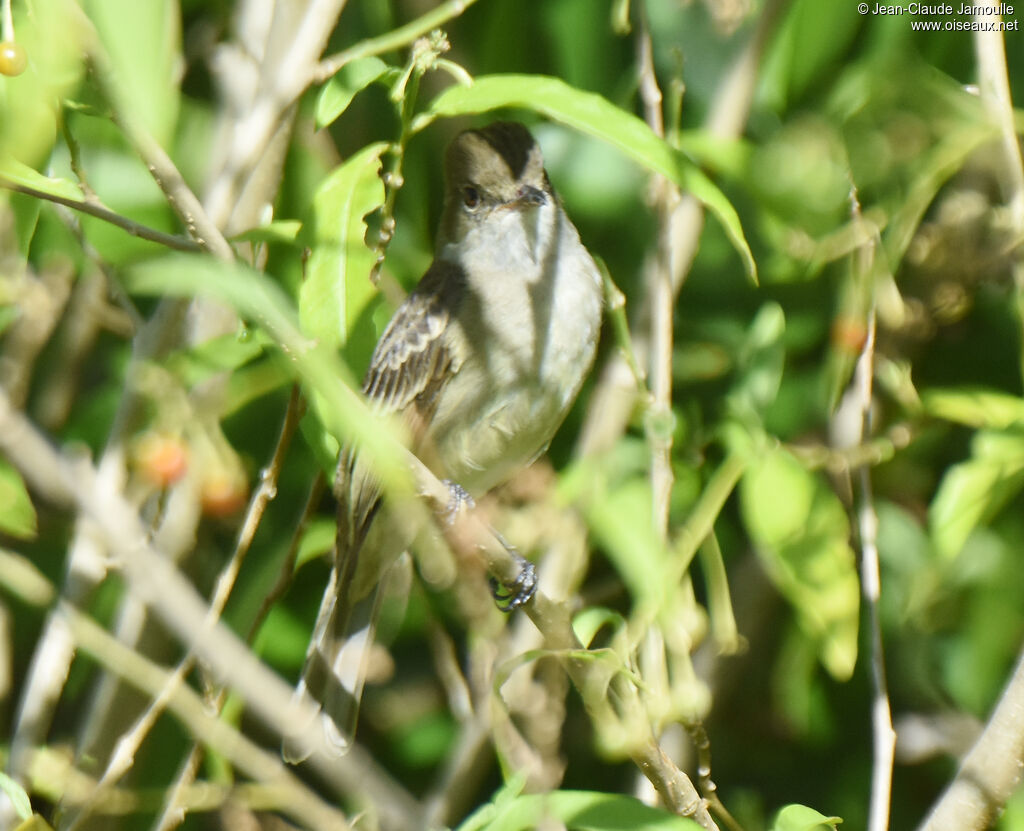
101, 211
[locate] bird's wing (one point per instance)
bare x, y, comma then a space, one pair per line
412, 362
413, 359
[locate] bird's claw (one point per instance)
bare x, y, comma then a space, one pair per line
520, 591
458, 498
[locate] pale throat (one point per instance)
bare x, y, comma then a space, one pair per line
509, 240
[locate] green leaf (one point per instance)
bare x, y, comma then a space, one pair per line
282, 639
578, 811
346, 83
975, 407
619, 517
34, 823
29, 102
592, 620
337, 291
16, 793
596, 116
810, 41
760, 363
143, 41
17, 516
25, 212
17, 173
801, 533
973, 491
317, 540
802, 818
280, 230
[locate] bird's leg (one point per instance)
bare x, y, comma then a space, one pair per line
508, 597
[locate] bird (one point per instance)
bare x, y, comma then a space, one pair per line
482, 360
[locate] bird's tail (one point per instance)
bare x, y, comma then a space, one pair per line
338, 660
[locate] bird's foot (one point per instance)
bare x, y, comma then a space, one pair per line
458, 498
511, 596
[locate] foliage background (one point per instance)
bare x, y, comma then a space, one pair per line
870, 185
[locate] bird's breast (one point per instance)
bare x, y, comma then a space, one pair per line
526, 338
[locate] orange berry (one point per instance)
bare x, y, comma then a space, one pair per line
223, 493
12, 58
162, 459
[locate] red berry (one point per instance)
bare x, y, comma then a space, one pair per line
12, 58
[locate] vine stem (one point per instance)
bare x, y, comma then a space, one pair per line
7, 21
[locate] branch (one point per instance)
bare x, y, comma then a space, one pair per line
156, 582
175, 601
991, 771
101, 211
21, 577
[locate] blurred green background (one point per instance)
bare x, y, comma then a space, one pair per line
845, 107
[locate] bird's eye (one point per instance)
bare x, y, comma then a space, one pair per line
470, 197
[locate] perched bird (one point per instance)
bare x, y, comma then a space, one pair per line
483, 360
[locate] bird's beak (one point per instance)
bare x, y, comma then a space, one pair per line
529, 196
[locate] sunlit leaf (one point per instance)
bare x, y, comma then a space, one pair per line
346, 83
973, 491
334, 297
280, 230
16, 794
975, 406
317, 540
577, 811
34, 823
802, 818
29, 102
591, 620
18, 173
143, 41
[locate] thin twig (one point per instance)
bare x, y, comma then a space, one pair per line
101, 211
19, 575
258, 502
156, 582
395, 39
660, 303
128, 745
860, 396
7, 32
298, 800
660, 298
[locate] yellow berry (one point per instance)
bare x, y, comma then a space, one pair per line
12, 58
